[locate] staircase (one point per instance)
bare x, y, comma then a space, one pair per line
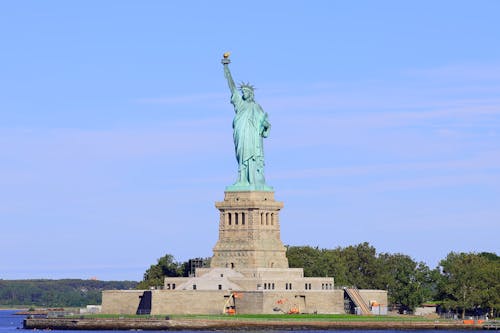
356, 298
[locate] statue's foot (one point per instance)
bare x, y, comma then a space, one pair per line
248, 187
241, 183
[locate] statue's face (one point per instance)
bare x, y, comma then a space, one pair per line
247, 94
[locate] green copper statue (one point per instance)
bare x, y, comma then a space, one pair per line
250, 126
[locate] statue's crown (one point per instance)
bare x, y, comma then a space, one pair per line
247, 85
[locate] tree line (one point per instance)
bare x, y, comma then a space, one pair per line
461, 282
57, 293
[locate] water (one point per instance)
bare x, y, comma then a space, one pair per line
10, 323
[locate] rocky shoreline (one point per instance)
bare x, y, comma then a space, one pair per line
238, 324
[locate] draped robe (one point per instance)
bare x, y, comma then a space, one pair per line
250, 125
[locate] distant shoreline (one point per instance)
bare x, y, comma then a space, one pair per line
239, 324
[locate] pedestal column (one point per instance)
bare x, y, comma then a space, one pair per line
249, 231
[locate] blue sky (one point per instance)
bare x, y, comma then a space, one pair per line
116, 138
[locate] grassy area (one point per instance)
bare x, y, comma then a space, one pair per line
280, 317
305, 317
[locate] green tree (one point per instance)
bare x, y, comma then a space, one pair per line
334, 265
155, 274
465, 280
354, 265
305, 257
490, 296
57, 293
362, 266
408, 283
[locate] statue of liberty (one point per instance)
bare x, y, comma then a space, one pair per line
250, 126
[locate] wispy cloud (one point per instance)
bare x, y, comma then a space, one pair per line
459, 71
489, 160
176, 137
215, 98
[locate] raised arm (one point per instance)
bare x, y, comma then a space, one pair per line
227, 74
229, 78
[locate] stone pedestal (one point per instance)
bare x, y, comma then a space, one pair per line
249, 232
